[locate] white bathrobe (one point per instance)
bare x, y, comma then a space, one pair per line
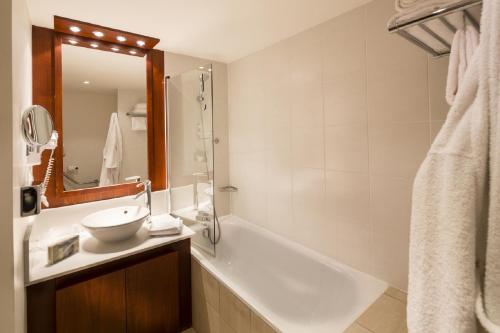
112, 153
451, 193
491, 63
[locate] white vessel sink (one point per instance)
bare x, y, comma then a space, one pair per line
115, 224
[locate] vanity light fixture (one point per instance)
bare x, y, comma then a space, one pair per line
94, 45
73, 42
121, 38
74, 29
134, 52
201, 67
141, 43
115, 49
86, 82
98, 34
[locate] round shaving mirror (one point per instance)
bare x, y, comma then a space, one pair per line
37, 125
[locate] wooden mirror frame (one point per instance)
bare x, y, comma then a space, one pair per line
47, 91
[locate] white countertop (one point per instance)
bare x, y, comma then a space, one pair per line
93, 253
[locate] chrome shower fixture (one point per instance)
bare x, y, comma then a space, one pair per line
201, 99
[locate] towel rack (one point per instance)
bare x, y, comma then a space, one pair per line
433, 28
136, 114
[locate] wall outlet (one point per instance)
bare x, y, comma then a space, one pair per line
30, 200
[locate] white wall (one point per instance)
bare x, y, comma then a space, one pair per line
6, 182
85, 128
15, 90
327, 130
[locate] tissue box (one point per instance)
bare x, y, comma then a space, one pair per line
63, 249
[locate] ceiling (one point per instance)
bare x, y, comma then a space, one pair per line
222, 30
103, 70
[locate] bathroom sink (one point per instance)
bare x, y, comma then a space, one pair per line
115, 224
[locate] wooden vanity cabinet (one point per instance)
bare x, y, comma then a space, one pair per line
95, 305
152, 295
146, 293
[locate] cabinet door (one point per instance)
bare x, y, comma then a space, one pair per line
152, 291
96, 305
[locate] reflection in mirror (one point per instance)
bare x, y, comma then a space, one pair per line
37, 125
104, 117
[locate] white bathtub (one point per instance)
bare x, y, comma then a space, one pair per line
293, 288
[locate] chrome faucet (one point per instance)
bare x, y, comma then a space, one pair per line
147, 190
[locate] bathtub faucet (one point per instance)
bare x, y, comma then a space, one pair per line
204, 217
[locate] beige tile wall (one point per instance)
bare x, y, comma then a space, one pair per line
326, 132
217, 310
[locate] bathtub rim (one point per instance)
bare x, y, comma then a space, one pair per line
204, 259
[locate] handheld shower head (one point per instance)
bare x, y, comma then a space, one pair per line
203, 78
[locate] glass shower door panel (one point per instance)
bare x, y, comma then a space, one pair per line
191, 153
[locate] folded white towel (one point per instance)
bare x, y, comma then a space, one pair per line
140, 110
410, 5
164, 224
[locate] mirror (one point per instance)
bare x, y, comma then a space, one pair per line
104, 117
37, 126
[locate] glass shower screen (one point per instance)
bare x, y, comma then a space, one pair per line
191, 153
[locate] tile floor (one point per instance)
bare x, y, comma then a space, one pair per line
386, 315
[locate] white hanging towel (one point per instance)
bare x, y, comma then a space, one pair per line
140, 123
464, 45
112, 153
450, 195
